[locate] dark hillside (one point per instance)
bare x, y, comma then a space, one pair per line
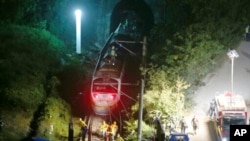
29, 62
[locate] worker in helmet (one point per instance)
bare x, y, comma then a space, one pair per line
82, 123
84, 128
195, 123
114, 129
113, 55
212, 109
104, 128
109, 135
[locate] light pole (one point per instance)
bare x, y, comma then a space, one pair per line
232, 54
78, 14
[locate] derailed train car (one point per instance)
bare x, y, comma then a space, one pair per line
120, 59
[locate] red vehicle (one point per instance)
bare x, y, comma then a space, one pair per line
230, 109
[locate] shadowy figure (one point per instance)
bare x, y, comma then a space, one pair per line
183, 125
212, 109
195, 124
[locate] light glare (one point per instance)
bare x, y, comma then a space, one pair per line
78, 15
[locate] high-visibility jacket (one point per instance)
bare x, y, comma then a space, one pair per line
104, 127
82, 123
114, 128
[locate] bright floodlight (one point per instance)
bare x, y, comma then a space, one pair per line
78, 14
232, 54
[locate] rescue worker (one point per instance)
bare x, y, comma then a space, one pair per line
247, 32
247, 29
84, 129
183, 125
195, 123
171, 127
119, 138
212, 109
108, 134
104, 128
114, 129
113, 55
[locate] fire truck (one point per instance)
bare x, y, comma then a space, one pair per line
230, 109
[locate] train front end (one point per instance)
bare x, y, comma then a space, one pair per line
105, 94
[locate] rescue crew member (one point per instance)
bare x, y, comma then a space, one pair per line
183, 125
109, 134
84, 129
104, 128
113, 55
171, 127
114, 129
195, 123
247, 32
212, 109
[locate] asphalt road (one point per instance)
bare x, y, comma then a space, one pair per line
218, 82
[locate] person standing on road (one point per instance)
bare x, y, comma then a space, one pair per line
212, 109
195, 124
247, 32
183, 125
171, 127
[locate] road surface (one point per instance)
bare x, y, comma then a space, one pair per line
219, 81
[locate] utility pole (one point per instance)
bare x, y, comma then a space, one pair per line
70, 130
144, 50
140, 110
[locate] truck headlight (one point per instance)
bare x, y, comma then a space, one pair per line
224, 139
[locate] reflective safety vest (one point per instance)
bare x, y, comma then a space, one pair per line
114, 128
82, 123
104, 127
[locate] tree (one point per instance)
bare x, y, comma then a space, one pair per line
167, 97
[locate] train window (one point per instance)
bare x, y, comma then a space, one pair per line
105, 88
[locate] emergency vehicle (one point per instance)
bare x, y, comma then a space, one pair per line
230, 109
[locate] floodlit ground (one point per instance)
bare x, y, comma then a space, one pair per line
218, 82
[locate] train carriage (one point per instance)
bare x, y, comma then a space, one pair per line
106, 83
112, 73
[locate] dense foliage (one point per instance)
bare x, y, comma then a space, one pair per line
29, 60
